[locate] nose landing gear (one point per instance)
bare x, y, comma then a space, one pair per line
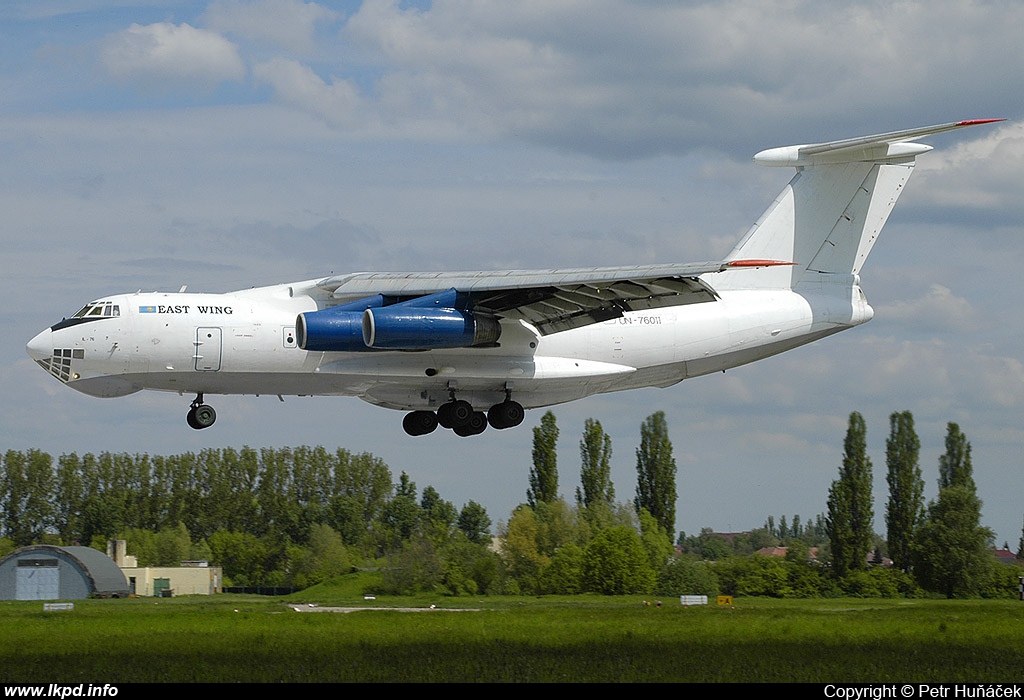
200, 415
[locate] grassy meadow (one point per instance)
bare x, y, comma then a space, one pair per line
231, 638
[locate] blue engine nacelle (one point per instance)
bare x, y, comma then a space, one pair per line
402, 327
330, 331
337, 329
423, 323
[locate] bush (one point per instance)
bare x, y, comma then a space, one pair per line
413, 568
615, 563
877, 582
1003, 582
773, 577
564, 575
686, 576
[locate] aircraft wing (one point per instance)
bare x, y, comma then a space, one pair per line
550, 300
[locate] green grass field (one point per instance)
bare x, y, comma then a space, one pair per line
583, 638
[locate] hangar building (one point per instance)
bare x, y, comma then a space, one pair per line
48, 572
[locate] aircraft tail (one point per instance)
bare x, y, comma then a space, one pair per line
828, 217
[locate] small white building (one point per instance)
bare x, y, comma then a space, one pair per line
174, 580
191, 578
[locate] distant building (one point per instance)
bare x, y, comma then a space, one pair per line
1005, 556
174, 580
49, 572
191, 578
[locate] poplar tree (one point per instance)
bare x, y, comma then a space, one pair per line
955, 467
905, 509
68, 497
850, 513
38, 505
13, 488
597, 493
544, 472
656, 472
402, 513
951, 553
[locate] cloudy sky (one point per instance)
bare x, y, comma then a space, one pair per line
228, 144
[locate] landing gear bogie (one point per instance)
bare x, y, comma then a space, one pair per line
458, 416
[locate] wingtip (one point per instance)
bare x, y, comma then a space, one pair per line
976, 122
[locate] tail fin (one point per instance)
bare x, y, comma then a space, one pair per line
829, 216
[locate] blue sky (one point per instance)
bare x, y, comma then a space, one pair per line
227, 144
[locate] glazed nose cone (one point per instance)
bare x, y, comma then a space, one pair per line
40, 348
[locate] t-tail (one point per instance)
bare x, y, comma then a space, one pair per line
826, 220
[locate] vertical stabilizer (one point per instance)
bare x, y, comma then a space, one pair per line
828, 217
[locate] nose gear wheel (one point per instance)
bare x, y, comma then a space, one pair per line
200, 415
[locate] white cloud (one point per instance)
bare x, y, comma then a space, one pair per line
171, 53
607, 78
938, 310
633, 79
336, 103
290, 24
979, 173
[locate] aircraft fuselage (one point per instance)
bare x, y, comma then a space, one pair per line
245, 343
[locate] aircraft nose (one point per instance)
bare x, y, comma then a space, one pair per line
41, 347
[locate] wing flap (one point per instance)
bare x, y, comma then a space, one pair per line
559, 308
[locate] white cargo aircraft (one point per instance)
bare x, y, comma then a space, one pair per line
467, 349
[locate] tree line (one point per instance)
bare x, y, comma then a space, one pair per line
298, 516
941, 544
938, 548
288, 516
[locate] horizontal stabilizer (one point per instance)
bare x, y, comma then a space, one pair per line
880, 147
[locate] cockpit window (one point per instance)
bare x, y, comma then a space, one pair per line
99, 308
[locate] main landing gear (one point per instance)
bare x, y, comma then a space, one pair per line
459, 416
200, 415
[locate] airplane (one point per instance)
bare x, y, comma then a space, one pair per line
468, 350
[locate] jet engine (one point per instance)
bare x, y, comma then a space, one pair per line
403, 327
422, 323
330, 331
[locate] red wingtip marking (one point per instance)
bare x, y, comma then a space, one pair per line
975, 122
758, 263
